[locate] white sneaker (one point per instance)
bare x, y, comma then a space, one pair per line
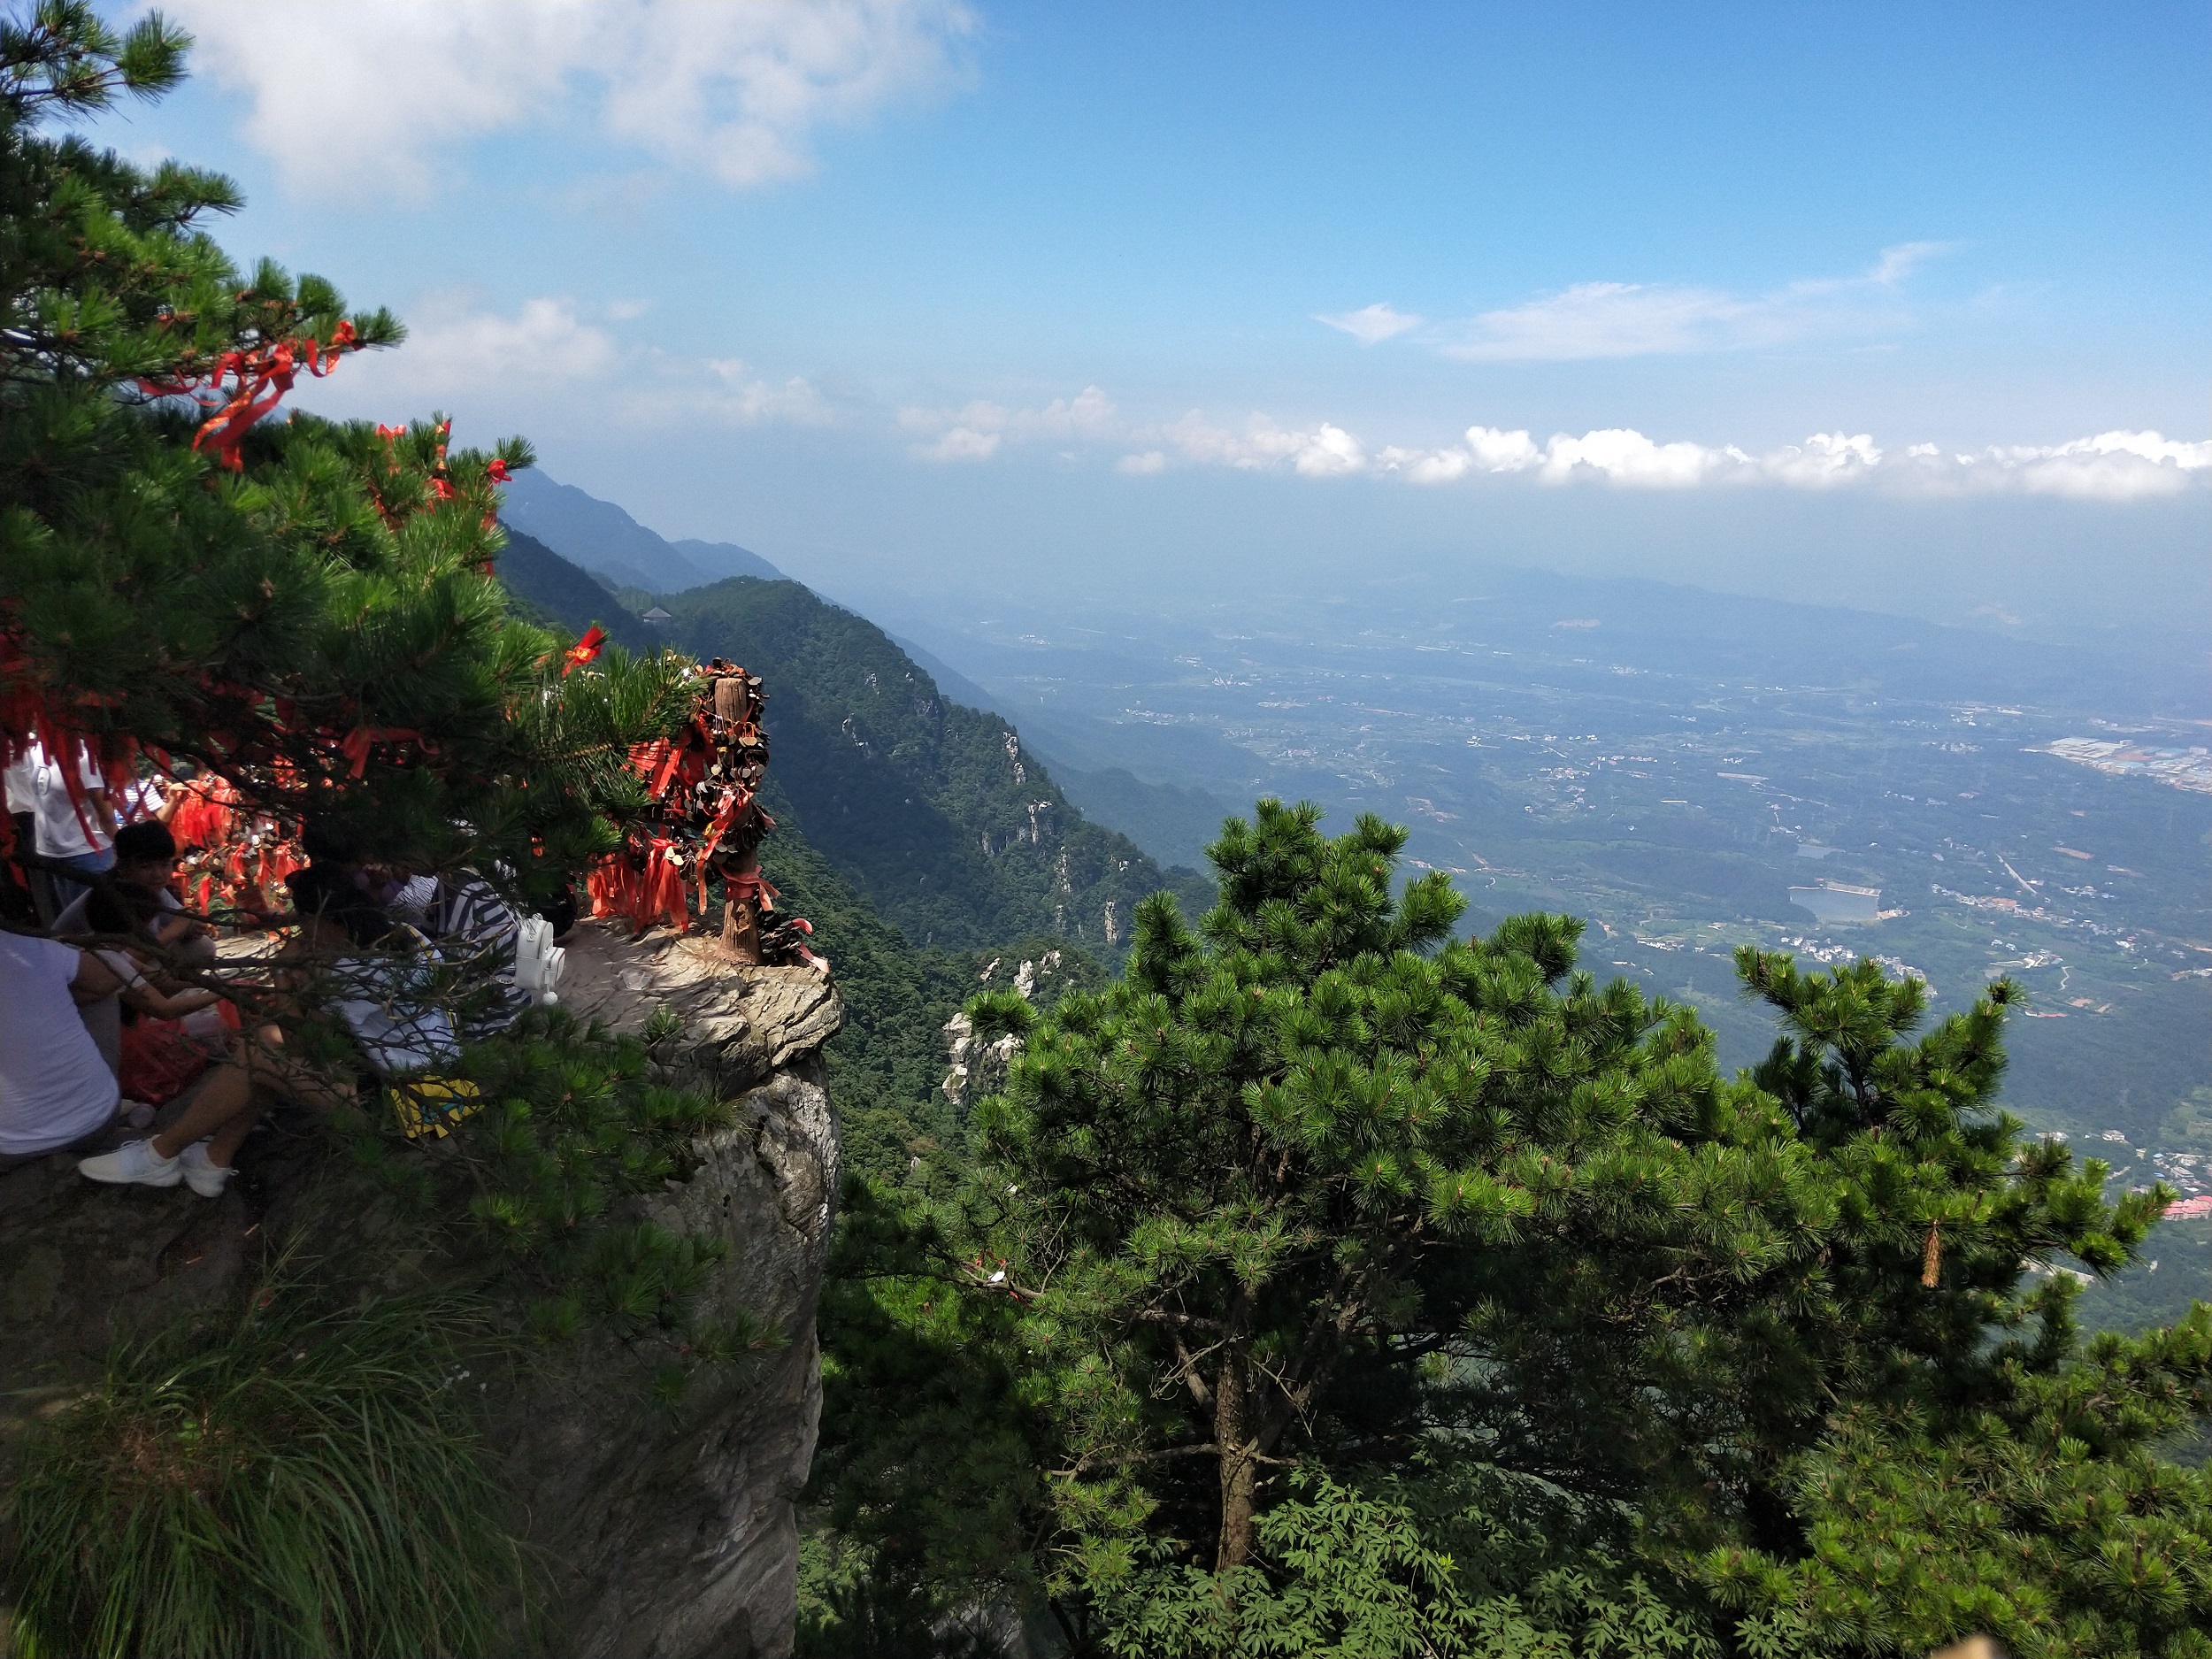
202, 1173
134, 1163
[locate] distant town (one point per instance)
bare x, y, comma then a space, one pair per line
2182, 768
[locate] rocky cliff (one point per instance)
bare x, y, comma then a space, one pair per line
668, 1530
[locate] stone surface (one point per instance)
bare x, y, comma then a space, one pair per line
670, 1532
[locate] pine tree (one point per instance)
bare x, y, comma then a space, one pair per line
1322, 1225
308, 610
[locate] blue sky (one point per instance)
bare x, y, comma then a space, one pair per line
926, 295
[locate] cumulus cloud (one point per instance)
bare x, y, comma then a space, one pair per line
1370, 324
727, 389
344, 90
2114, 466
1632, 319
2111, 467
454, 349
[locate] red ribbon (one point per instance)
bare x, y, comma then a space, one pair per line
264, 373
593, 642
356, 746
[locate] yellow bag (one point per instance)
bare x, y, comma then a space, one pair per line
433, 1105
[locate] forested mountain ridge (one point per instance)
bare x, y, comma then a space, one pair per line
555, 592
935, 811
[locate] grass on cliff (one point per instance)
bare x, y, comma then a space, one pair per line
295, 1478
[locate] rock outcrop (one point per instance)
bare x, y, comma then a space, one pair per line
670, 1532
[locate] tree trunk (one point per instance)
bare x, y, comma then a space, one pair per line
1238, 1454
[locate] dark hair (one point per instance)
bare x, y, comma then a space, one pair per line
328, 843
327, 892
146, 842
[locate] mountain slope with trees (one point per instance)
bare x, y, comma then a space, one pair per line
1334, 1285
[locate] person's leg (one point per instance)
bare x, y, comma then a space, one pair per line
286, 1077
225, 1098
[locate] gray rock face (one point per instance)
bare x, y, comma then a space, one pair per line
671, 1532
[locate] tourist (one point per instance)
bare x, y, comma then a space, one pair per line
76, 831
336, 923
56, 1089
145, 873
478, 929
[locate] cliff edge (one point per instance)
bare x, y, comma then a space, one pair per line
666, 1530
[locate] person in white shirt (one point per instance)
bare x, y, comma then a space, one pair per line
76, 830
55, 1087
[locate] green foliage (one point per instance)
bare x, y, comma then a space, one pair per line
850, 1609
318, 622
1457, 1562
1266, 1247
298, 1480
2046, 1521
573, 1128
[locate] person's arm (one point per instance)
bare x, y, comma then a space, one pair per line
149, 999
94, 982
104, 810
174, 927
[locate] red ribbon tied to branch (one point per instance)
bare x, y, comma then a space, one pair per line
595, 639
264, 374
356, 746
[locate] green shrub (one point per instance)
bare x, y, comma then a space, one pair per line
295, 1478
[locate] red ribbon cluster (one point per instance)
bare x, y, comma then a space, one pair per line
702, 785
260, 376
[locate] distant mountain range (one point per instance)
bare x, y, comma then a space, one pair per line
607, 541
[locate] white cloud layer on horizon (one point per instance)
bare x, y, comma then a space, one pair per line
2113, 466
2117, 466
346, 90
1591, 320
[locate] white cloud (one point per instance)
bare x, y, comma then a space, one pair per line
1320, 452
454, 350
2111, 467
1370, 324
1632, 319
2114, 466
459, 356
732, 393
1620, 455
974, 433
346, 90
